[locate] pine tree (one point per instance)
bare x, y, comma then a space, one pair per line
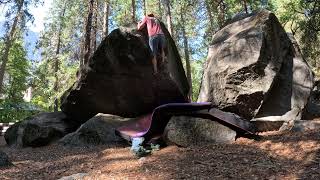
106, 12
133, 11
10, 38
87, 34
186, 49
166, 4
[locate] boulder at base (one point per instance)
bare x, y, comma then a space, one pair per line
188, 131
96, 131
39, 130
288, 98
313, 107
119, 79
77, 176
254, 70
304, 125
4, 160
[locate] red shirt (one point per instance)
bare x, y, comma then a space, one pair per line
153, 25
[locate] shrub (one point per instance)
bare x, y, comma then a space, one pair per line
15, 112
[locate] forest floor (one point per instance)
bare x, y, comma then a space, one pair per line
276, 156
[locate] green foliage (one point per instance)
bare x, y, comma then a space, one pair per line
121, 12
44, 75
197, 71
7, 116
15, 112
44, 94
302, 19
12, 108
18, 71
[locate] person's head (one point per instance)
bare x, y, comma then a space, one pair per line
150, 15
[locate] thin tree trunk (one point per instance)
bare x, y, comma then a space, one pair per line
133, 6
221, 18
186, 53
245, 6
160, 9
56, 63
87, 44
8, 43
144, 7
168, 16
94, 38
95, 26
106, 18
211, 21
82, 43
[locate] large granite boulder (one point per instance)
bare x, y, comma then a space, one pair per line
313, 107
305, 125
4, 160
287, 99
39, 130
254, 70
189, 131
96, 131
119, 78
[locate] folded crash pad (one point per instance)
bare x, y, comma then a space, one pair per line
153, 125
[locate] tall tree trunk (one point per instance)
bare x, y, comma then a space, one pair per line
160, 9
133, 15
245, 6
10, 37
211, 20
221, 19
95, 26
82, 40
168, 16
56, 62
88, 26
144, 8
186, 52
106, 18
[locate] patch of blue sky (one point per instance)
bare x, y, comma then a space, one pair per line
31, 36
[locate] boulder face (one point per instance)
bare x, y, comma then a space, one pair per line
189, 131
119, 78
290, 92
96, 131
39, 130
254, 70
313, 107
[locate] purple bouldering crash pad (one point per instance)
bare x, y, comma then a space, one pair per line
153, 125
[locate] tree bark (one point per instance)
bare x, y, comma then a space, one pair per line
168, 16
211, 20
106, 12
245, 6
87, 44
56, 62
10, 37
95, 26
221, 19
144, 8
160, 9
186, 52
133, 15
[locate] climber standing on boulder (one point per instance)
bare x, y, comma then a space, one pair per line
156, 38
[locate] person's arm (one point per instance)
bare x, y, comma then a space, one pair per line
142, 23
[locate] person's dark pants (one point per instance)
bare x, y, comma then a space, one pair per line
157, 44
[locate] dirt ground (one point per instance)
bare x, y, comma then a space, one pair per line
275, 156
